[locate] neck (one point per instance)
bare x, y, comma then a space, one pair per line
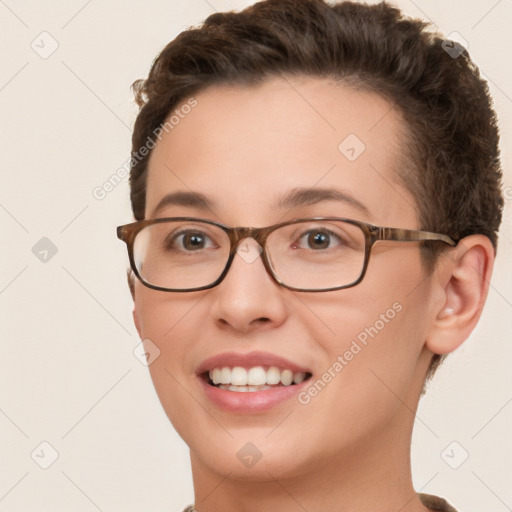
375, 475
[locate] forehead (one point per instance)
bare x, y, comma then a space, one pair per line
247, 147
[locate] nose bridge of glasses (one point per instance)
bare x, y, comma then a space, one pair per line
241, 234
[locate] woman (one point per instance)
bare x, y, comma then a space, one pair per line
289, 360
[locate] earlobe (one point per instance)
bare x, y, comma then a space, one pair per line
131, 285
136, 321
131, 282
464, 277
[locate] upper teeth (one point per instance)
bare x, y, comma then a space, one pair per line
255, 376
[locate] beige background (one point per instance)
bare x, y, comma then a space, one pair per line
68, 375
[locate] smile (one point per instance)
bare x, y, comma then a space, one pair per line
257, 378
253, 382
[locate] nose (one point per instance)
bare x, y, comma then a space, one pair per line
248, 298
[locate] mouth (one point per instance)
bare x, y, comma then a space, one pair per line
253, 382
253, 379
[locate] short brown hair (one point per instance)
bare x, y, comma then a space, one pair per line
450, 158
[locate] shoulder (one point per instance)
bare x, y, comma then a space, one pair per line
429, 500
436, 503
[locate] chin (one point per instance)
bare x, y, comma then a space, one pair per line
247, 461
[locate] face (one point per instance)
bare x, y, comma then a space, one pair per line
361, 348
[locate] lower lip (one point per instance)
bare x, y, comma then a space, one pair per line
250, 401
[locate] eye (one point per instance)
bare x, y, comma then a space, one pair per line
320, 239
190, 240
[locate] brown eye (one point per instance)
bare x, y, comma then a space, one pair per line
189, 241
319, 239
193, 241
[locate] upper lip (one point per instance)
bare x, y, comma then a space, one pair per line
248, 360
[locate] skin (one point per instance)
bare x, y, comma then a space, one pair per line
348, 449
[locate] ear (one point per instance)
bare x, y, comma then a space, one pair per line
136, 321
131, 282
131, 286
462, 279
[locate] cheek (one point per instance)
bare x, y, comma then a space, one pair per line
162, 315
377, 334
363, 387
172, 324
165, 320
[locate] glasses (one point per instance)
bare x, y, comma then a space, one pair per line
318, 254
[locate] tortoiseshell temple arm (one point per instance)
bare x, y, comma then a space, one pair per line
409, 235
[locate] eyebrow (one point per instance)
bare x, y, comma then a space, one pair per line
293, 199
308, 196
188, 199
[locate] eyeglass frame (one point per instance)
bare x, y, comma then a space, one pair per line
373, 234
